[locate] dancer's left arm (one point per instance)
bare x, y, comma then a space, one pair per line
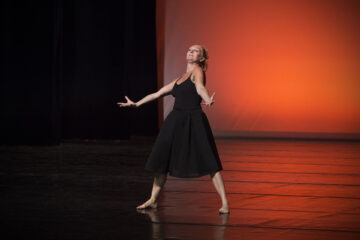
201, 90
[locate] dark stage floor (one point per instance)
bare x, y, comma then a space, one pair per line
277, 189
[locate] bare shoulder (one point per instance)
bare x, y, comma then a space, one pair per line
166, 89
197, 76
173, 81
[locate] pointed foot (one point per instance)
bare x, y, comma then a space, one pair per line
148, 204
224, 210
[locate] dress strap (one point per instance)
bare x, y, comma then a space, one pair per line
177, 79
182, 76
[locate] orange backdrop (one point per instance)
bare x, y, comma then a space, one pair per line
276, 66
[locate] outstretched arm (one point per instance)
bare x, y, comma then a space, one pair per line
147, 98
201, 90
165, 90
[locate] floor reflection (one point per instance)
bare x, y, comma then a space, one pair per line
158, 226
276, 190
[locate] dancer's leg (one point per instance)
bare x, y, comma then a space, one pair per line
220, 188
159, 181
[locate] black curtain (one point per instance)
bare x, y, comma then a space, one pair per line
66, 63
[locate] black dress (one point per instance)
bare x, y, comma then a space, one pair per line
185, 146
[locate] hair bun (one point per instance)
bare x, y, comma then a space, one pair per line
205, 55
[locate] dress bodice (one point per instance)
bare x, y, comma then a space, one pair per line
186, 95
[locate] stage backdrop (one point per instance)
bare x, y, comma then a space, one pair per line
279, 68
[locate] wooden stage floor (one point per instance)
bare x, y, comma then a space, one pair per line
277, 189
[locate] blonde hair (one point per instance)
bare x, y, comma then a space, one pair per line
204, 58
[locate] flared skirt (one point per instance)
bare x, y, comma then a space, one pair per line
185, 146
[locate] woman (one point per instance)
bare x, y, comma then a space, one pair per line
185, 146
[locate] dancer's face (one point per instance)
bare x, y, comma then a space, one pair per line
193, 53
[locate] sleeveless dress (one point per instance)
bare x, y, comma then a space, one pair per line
185, 146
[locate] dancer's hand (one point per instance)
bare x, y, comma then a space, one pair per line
208, 104
128, 103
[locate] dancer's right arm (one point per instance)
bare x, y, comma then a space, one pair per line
165, 90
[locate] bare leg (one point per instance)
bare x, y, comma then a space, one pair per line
220, 188
159, 181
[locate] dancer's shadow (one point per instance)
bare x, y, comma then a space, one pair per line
158, 227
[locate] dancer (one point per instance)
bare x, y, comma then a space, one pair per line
185, 146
